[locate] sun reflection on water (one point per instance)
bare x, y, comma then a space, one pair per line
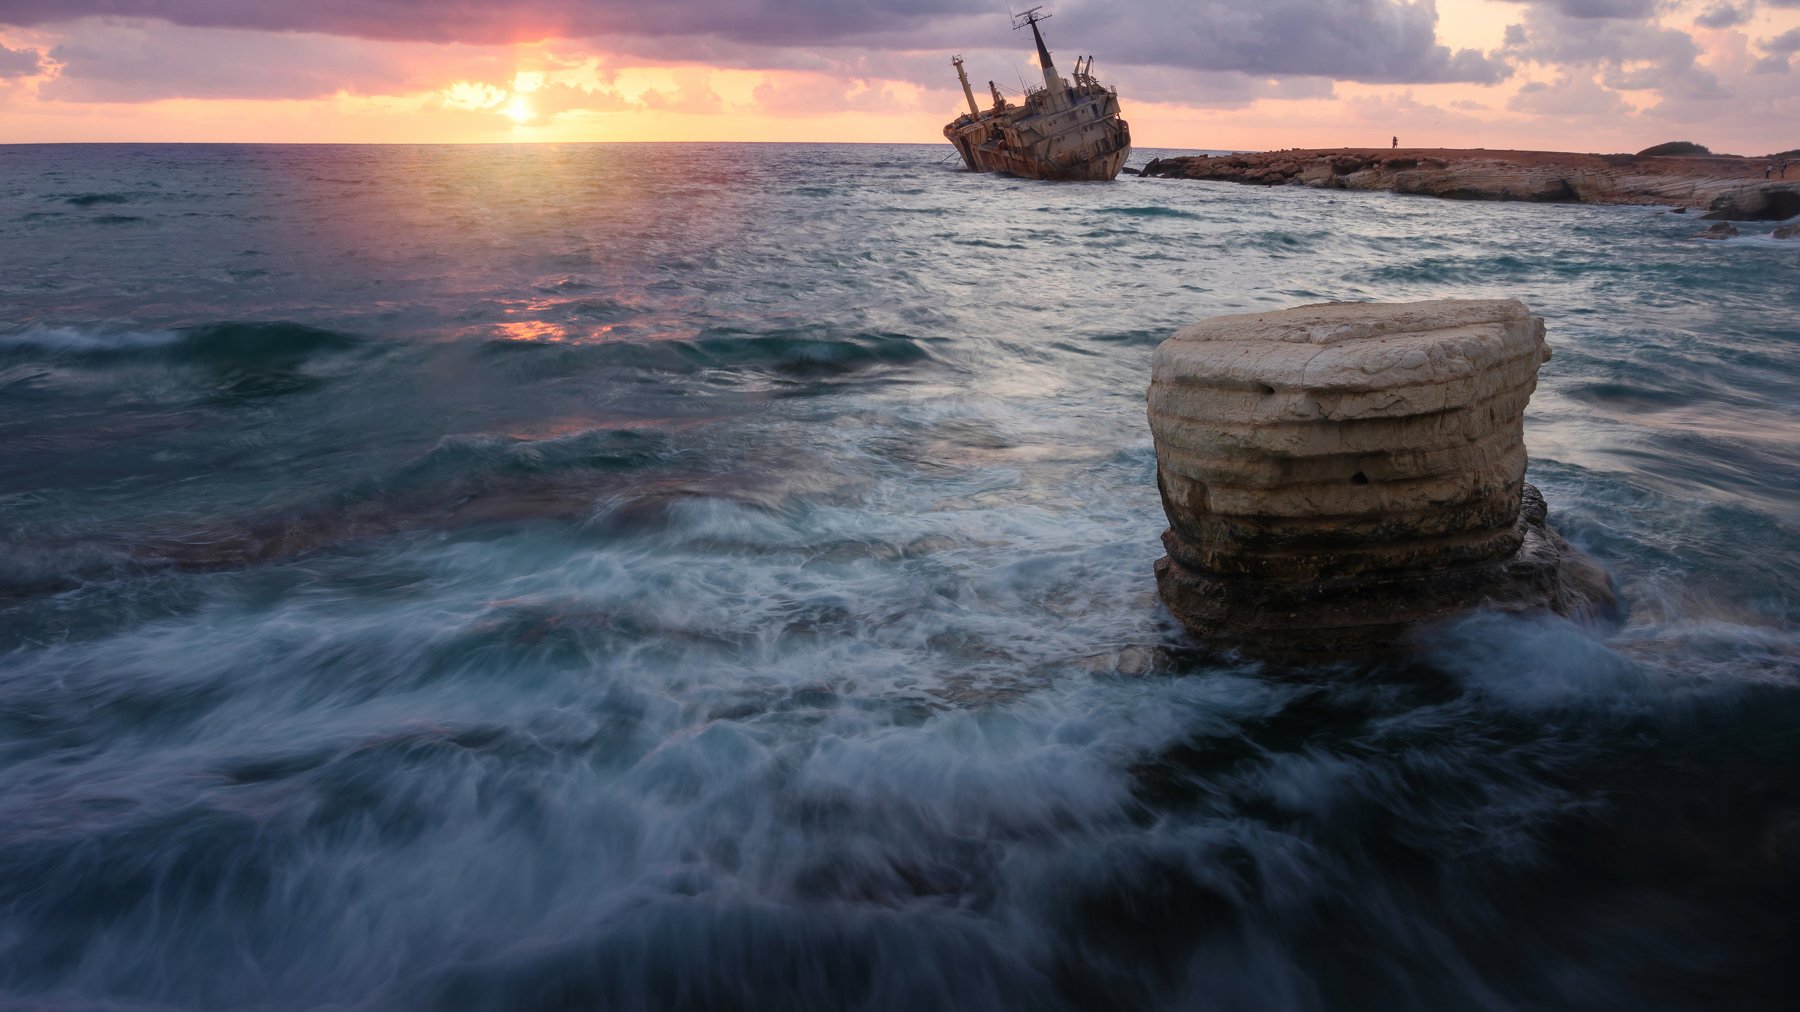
545, 332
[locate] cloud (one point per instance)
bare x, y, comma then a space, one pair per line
692, 94
1694, 84
791, 94
1571, 94
1723, 15
1374, 41
1786, 42
1405, 116
1597, 58
1777, 64
473, 96
1380, 41
1221, 89
1763, 100
553, 100
146, 61
1636, 54
19, 62
487, 22
1594, 9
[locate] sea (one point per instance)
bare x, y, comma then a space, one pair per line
718, 577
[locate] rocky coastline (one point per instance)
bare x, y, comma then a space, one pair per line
1721, 187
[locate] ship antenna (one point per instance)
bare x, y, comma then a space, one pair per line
1028, 17
1032, 17
1019, 73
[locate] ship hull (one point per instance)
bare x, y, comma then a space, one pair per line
1030, 166
1074, 134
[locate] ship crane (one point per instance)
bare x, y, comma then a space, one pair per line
968, 92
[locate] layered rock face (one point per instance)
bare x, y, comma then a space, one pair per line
1335, 474
1725, 187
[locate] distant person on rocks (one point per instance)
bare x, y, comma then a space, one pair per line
1396, 143
1768, 170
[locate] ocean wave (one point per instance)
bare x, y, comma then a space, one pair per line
594, 449
93, 199
208, 343
83, 341
1152, 211
803, 353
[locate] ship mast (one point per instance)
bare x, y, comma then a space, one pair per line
968, 92
1052, 82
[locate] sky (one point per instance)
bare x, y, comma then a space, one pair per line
1590, 75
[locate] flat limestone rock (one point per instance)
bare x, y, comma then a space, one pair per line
1726, 188
1335, 474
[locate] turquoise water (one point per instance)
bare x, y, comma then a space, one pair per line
718, 576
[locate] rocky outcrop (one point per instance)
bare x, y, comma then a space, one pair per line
1334, 475
1723, 230
1787, 232
1755, 202
1725, 187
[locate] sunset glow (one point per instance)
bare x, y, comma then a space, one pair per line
1613, 75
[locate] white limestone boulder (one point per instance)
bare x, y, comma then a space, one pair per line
1335, 473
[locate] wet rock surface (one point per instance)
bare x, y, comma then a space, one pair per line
1336, 475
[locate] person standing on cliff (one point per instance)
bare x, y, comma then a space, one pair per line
1396, 143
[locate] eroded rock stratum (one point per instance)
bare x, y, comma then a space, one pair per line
1723, 187
1335, 475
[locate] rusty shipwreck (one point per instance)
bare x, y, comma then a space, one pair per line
1067, 129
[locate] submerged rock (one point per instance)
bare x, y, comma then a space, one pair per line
1723, 230
1335, 474
1787, 232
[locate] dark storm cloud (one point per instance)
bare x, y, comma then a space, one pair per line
1382, 41
1786, 42
19, 62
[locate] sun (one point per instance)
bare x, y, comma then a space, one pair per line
519, 111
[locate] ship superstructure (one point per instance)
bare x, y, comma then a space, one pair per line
1067, 129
